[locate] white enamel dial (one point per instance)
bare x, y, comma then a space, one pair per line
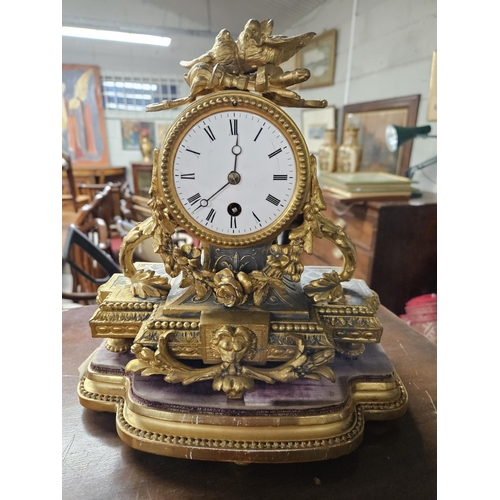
234, 172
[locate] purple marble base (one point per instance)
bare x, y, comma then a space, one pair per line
302, 397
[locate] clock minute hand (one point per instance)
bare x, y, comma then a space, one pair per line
236, 150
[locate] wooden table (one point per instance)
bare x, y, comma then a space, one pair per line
396, 460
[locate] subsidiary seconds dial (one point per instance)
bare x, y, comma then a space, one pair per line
234, 175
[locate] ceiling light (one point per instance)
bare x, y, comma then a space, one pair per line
116, 36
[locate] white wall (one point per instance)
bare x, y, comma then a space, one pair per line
391, 57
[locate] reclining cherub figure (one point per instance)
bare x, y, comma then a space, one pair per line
252, 62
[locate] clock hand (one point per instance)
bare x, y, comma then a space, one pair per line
204, 201
236, 150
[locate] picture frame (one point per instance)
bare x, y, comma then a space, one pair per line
141, 175
314, 124
432, 104
318, 56
371, 119
83, 126
132, 131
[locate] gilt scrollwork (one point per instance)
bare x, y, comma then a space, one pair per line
329, 286
159, 227
234, 345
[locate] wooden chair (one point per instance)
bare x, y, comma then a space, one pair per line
90, 265
133, 208
85, 253
110, 207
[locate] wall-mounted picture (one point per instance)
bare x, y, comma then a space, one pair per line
83, 127
318, 56
371, 119
314, 124
132, 131
432, 105
161, 131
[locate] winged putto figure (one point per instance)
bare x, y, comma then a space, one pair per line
252, 62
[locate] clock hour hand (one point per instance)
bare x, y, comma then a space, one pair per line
204, 201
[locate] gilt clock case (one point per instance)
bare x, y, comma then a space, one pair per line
266, 190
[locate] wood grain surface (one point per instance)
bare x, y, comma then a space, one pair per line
396, 460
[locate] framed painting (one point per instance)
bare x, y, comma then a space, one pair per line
132, 131
83, 126
314, 124
432, 105
318, 56
371, 119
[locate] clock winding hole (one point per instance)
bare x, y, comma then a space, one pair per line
234, 209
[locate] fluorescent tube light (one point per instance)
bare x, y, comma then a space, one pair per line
116, 36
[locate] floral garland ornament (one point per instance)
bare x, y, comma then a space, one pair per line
234, 345
234, 289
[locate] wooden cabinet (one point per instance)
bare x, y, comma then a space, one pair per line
141, 174
396, 243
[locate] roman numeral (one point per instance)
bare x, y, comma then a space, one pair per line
271, 199
209, 132
258, 133
211, 215
275, 153
234, 126
194, 198
194, 152
280, 177
188, 176
233, 222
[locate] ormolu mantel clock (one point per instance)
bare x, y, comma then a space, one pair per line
231, 350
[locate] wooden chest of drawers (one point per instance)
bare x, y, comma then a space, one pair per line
396, 243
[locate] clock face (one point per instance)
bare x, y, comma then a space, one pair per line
235, 175
234, 172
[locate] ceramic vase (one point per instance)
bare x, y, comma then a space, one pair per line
349, 153
327, 154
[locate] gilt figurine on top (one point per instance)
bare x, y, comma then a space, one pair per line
252, 63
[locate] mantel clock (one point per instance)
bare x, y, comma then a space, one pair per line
231, 349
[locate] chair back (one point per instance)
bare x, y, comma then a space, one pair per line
88, 251
133, 208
